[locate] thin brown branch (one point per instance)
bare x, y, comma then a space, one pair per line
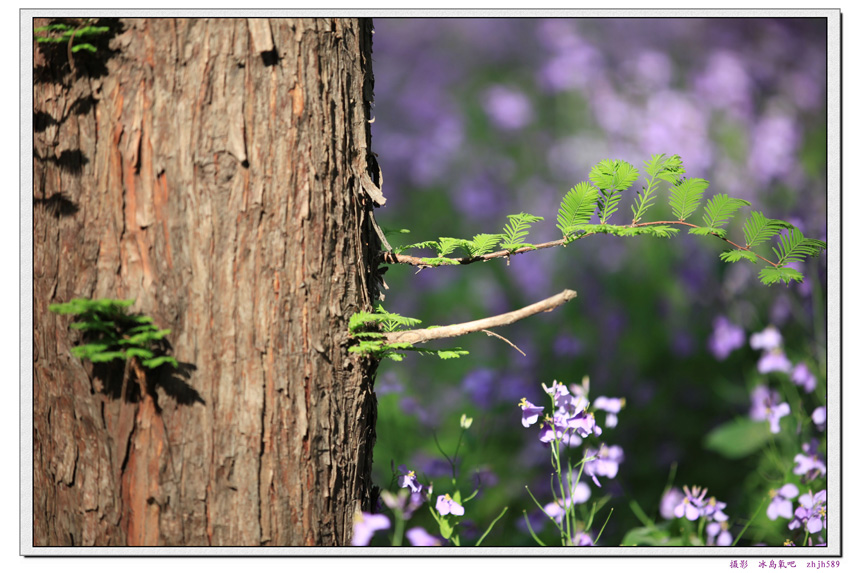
450, 331
69, 52
732, 243
395, 259
421, 262
499, 336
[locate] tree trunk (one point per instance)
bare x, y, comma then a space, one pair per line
211, 170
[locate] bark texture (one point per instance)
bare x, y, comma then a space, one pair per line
210, 169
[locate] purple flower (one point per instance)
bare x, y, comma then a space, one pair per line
803, 377
570, 416
765, 407
446, 505
691, 506
808, 463
556, 509
583, 423
767, 339
408, 479
670, 500
549, 432
725, 338
530, 412
404, 502
819, 417
774, 361
694, 505
555, 429
419, 537
720, 530
776, 414
611, 406
508, 109
365, 525
713, 510
812, 512
582, 539
605, 463
780, 506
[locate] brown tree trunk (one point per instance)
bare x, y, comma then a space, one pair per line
210, 169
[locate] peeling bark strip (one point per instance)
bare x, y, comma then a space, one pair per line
215, 177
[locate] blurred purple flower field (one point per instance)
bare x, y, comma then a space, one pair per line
477, 119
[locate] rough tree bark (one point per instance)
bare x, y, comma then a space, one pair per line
210, 169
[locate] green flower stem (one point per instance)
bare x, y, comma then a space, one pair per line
529, 525
764, 501
599, 533
399, 525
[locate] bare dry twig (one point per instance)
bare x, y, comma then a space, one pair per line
452, 330
491, 333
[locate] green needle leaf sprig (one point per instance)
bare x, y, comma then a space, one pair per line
110, 333
369, 328
600, 196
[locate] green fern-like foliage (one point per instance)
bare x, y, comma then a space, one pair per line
482, 244
720, 209
664, 231
611, 177
736, 255
668, 168
63, 33
685, 197
759, 228
576, 209
516, 230
773, 275
601, 195
510, 240
793, 247
110, 333
421, 245
368, 328
658, 168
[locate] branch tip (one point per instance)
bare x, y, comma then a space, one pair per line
450, 331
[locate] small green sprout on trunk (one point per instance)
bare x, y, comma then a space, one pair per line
110, 333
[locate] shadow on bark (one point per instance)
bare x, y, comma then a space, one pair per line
71, 160
172, 380
57, 205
